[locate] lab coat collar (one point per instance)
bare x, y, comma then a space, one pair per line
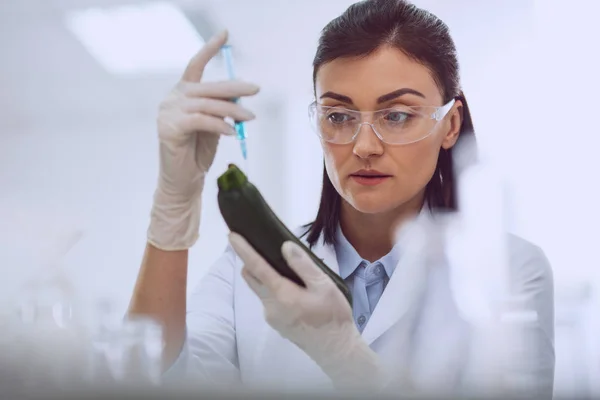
325, 252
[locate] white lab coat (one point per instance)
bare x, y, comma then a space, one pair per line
228, 339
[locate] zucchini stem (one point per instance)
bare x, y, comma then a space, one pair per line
231, 179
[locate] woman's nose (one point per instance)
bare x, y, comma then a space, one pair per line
367, 143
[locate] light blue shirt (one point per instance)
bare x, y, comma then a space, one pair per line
366, 280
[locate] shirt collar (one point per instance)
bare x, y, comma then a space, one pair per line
348, 258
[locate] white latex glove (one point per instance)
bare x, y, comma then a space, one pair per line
191, 120
318, 318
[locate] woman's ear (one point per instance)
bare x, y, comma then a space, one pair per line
454, 119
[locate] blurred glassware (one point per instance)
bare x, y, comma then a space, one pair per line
50, 343
144, 342
124, 351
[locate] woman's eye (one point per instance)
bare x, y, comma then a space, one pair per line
397, 116
338, 118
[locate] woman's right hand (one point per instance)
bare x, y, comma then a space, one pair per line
191, 120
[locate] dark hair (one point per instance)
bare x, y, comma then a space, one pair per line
362, 29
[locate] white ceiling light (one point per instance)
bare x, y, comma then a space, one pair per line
136, 39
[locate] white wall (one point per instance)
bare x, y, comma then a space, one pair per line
100, 177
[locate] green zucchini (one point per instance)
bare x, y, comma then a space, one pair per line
247, 213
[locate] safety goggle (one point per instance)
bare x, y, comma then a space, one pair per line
395, 125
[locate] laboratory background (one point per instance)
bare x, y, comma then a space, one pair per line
81, 81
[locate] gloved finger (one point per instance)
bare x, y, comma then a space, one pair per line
205, 123
255, 264
257, 287
220, 90
195, 68
217, 108
302, 264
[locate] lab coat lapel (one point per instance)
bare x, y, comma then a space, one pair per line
404, 291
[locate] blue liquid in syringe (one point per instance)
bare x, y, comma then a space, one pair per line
239, 126
241, 134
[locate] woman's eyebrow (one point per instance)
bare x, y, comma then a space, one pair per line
337, 96
381, 99
398, 93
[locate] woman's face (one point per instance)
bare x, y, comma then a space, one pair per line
359, 84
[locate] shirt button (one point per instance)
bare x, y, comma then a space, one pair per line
361, 320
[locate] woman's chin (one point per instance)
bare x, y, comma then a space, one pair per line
376, 203
372, 204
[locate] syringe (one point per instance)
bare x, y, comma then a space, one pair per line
239, 126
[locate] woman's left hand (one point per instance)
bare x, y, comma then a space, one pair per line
317, 318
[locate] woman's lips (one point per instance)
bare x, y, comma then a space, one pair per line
369, 180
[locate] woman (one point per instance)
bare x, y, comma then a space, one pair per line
389, 111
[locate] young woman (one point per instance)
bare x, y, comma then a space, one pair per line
389, 110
